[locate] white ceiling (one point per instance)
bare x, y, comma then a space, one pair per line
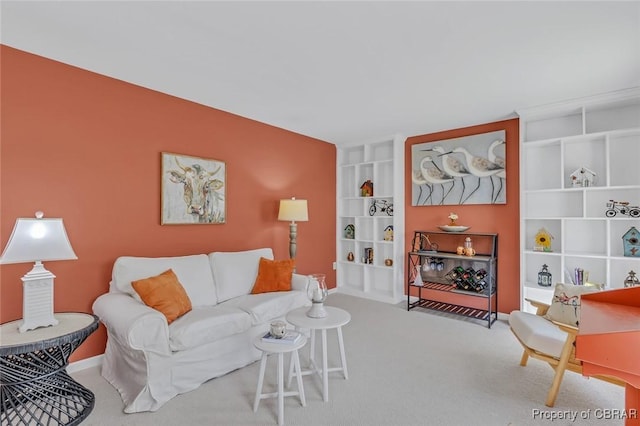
345, 72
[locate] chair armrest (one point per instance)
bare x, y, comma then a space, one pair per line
541, 308
133, 324
566, 327
299, 282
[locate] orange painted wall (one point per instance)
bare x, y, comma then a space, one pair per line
501, 219
86, 148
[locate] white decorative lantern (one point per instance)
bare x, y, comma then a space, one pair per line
317, 292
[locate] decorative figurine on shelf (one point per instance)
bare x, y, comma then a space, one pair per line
350, 256
388, 233
583, 178
383, 205
468, 247
631, 242
366, 190
622, 207
350, 232
452, 219
543, 240
544, 277
368, 255
631, 280
388, 262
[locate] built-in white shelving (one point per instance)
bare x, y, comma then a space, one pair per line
381, 163
600, 133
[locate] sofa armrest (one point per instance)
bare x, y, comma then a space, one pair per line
299, 282
133, 324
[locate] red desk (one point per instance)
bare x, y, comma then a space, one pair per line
609, 342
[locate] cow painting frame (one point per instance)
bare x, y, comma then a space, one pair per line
193, 190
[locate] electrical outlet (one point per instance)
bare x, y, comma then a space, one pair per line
335, 266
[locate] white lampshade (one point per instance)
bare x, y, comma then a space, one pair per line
38, 240
293, 210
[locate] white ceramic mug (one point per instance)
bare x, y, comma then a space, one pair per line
278, 329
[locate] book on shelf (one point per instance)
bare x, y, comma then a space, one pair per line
289, 339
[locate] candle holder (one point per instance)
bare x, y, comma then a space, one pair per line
317, 292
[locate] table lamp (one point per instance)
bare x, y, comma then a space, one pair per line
293, 210
37, 240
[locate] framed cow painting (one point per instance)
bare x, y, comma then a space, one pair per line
193, 190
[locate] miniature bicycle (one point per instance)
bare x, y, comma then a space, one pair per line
383, 205
622, 207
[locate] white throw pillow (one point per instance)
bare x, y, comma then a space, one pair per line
193, 272
565, 305
235, 272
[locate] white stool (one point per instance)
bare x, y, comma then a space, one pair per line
280, 349
335, 318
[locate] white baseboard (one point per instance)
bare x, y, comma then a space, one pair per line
95, 361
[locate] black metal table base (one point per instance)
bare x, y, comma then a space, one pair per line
35, 388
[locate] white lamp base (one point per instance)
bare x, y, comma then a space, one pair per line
37, 299
317, 310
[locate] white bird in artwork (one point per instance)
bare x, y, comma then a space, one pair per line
435, 175
492, 154
500, 161
453, 167
418, 179
480, 167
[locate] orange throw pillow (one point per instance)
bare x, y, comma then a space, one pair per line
273, 275
164, 293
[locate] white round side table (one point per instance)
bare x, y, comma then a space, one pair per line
335, 318
268, 348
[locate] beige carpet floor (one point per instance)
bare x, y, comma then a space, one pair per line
405, 368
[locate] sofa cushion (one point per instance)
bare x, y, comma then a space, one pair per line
193, 272
273, 275
164, 293
265, 307
206, 324
235, 272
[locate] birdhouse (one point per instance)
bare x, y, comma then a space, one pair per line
350, 232
366, 190
388, 233
583, 177
631, 242
543, 240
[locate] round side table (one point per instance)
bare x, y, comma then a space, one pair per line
34, 384
280, 349
335, 318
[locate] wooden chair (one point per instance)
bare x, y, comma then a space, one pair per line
551, 342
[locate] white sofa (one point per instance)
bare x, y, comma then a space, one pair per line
149, 362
